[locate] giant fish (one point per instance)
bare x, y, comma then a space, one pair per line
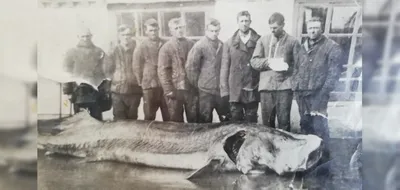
202, 148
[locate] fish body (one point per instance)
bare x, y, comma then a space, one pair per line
204, 148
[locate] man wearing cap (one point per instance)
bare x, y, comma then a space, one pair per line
85, 61
274, 59
203, 69
145, 60
239, 82
126, 92
179, 94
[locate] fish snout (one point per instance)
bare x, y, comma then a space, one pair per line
244, 167
314, 157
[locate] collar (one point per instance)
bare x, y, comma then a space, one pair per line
282, 35
236, 37
89, 45
307, 43
212, 41
318, 41
244, 35
126, 49
179, 39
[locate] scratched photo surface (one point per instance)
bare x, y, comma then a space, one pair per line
105, 34
381, 63
18, 129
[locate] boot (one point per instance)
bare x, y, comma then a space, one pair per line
306, 124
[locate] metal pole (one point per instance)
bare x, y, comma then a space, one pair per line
60, 103
387, 49
70, 108
27, 104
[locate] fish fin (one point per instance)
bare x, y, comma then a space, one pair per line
209, 167
91, 159
49, 153
88, 160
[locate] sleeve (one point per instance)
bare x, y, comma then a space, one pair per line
193, 64
99, 69
258, 61
165, 70
225, 67
335, 63
109, 65
138, 63
295, 54
68, 63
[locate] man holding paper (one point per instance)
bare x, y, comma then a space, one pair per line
273, 57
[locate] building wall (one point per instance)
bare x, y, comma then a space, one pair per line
16, 103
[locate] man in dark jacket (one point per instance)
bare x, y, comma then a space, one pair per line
239, 82
203, 71
272, 52
317, 69
145, 60
179, 94
84, 62
126, 92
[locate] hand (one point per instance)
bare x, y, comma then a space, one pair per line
225, 99
277, 64
170, 95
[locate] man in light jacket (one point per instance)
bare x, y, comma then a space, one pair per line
273, 58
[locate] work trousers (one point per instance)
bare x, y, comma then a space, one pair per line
244, 111
315, 124
207, 103
276, 104
125, 106
184, 100
153, 99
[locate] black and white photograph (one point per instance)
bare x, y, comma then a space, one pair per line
200, 94
206, 94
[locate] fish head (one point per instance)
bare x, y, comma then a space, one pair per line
279, 151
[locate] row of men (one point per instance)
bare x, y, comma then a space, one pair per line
234, 77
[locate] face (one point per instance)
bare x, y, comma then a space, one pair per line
178, 30
276, 29
244, 23
85, 38
152, 32
314, 30
213, 31
125, 37
265, 150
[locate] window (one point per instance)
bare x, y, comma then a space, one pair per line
194, 20
386, 35
341, 23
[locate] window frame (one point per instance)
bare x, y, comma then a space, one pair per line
385, 62
350, 65
137, 14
